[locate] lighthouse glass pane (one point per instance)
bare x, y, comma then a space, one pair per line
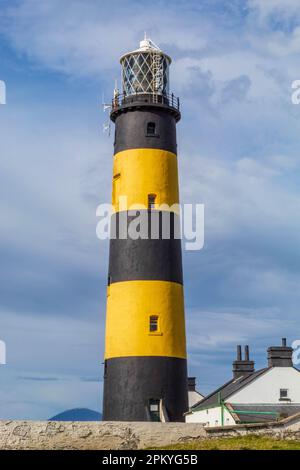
145, 72
153, 323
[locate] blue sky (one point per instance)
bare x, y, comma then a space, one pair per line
233, 65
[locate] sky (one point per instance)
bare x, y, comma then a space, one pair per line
238, 141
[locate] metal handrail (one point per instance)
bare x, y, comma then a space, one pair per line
167, 98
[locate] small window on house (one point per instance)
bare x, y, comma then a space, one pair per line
151, 128
153, 326
154, 409
151, 201
284, 394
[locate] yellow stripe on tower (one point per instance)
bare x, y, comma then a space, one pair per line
129, 307
140, 172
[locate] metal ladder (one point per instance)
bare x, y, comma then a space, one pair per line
157, 70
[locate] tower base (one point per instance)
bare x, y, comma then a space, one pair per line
134, 385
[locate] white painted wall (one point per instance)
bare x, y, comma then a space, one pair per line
210, 417
194, 397
266, 388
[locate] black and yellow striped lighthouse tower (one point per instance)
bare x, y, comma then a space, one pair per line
145, 372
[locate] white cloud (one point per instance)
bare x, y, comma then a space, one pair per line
285, 8
246, 326
245, 193
86, 38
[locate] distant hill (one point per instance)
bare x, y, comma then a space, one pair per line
78, 414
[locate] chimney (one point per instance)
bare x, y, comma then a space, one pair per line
280, 356
247, 353
242, 366
191, 384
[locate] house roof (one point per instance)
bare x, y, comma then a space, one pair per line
228, 389
262, 413
197, 393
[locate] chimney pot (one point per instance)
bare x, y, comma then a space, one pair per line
247, 353
284, 342
239, 352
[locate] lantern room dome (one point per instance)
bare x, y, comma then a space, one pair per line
147, 45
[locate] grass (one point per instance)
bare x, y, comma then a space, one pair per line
250, 442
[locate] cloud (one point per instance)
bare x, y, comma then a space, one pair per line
80, 38
236, 89
55, 170
38, 379
48, 202
276, 9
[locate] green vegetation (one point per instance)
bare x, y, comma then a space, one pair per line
250, 442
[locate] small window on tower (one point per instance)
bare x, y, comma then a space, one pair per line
151, 201
153, 327
151, 128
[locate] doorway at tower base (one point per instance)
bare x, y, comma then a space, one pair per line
135, 385
156, 411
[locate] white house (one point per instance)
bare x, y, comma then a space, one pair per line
253, 396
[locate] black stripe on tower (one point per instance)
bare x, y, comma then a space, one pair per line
132, 130
131, 382
146, 259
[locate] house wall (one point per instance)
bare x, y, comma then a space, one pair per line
194, 397
210, 417
266, 388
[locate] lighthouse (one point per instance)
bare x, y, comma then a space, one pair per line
145, 368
